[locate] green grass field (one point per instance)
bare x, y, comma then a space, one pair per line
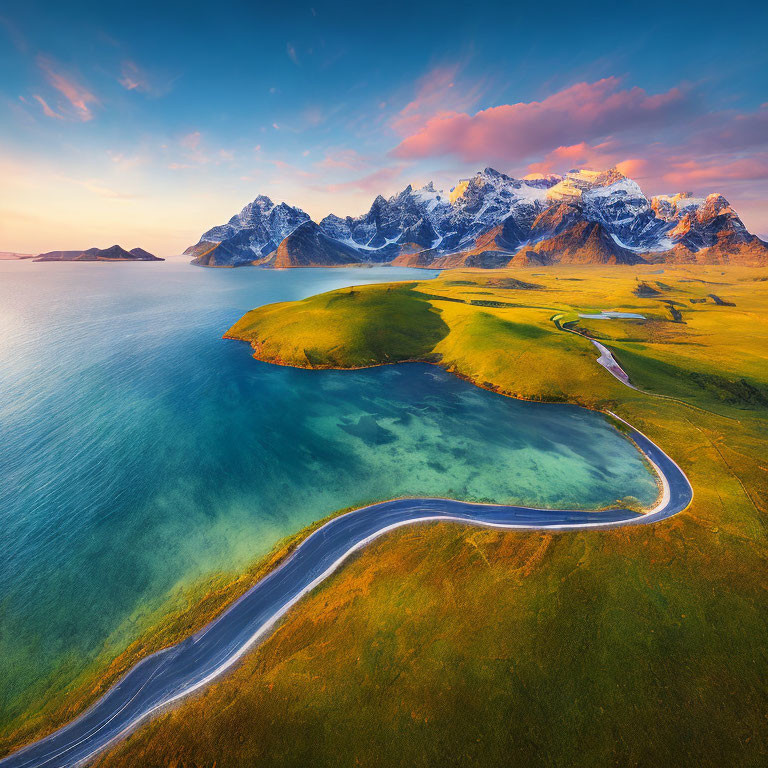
451, 645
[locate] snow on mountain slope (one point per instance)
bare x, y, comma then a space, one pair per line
251, 234
498, 215
576, 182
671, 207
487, 199
625, 212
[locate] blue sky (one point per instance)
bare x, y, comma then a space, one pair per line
146, 123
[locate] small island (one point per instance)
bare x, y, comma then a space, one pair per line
114, 253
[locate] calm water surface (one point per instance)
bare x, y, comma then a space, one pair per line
140, 452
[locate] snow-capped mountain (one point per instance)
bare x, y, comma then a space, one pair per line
625, 212
412, 216
248, 236
488, 199
492, 219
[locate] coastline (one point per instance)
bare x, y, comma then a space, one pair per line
629, 403
236, 589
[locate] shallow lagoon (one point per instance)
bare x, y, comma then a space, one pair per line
141, 452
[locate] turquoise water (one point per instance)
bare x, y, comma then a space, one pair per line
140, 452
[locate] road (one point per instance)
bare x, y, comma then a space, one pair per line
170, 674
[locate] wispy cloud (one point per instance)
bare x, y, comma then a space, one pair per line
190, 146
442, 89
47, 111
290, 49
341, 158
370, 183
124, 161
136, 78
78, 96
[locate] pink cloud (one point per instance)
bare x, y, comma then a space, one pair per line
742, 180
436, 92
430, 93
77, 95
672, 167
734, 131
371, 183
342, 159
47, 111
514, 132
606, 154
695, 172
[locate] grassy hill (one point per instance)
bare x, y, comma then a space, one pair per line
350, 328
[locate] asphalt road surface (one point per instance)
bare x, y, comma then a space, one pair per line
170, 674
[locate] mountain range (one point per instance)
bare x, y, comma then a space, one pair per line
493, 220
113, 253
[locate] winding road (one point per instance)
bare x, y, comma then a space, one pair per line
174, 672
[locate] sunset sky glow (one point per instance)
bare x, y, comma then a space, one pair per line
145, 123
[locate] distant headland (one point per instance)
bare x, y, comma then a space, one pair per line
114, 253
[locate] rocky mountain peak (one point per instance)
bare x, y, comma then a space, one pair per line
714, 205
584, 214
263, 202
542, 180
578, 181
